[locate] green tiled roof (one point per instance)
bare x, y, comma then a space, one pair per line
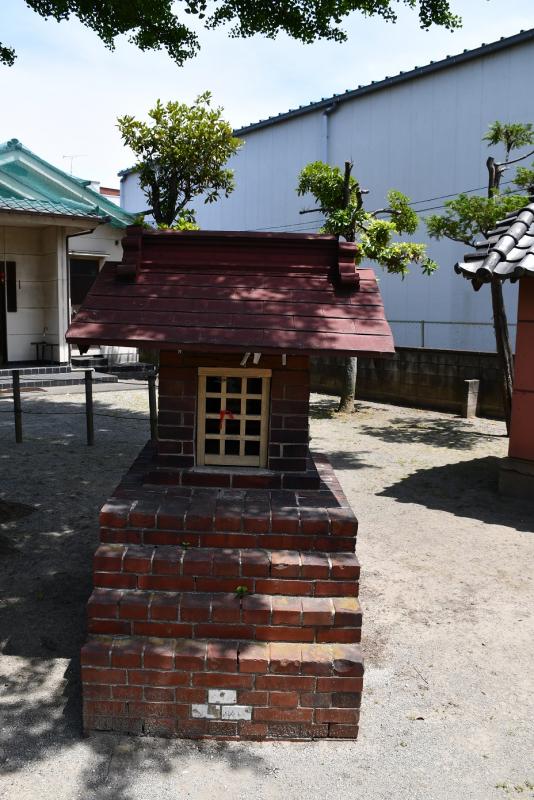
66, 209
30, 185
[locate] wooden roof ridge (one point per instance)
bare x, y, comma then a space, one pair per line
237, 249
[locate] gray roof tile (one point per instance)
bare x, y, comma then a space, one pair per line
508, 253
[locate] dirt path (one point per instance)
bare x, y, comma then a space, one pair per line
447, 591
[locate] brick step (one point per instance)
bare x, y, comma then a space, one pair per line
245, 520
222, 539
197, 689
257, 617
169, 475
217, 570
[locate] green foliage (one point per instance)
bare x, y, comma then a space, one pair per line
524, 178
406, 219
241, 591
186, 221
156, 24
326, 184
377, 244
468, 217
180, 154
375, 236
7, 55
150, 25
512, 135
139, 219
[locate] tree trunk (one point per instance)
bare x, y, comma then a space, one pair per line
504, 350
350, 365
500, 323
348, 387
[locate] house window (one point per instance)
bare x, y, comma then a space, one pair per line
233, 416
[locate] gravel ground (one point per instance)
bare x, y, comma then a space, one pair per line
447, 592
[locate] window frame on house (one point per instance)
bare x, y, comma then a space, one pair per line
204, 434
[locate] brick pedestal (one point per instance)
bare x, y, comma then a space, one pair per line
175, 650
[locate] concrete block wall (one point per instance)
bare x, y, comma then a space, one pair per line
418, 377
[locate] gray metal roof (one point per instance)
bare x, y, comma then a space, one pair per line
375, 86
435, 66
508, 252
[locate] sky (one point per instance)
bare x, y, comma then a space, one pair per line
66, 90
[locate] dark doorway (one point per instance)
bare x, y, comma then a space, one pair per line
8, 301
83, 272
3, 332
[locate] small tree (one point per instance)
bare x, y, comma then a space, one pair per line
181, 154
340, 199
161, 24
469, 219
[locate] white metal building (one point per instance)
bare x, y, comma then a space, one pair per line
420, 132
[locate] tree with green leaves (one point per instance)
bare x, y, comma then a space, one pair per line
180, 154
470, 218
340, 198
159, 24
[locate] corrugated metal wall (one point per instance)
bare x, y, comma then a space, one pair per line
423, 137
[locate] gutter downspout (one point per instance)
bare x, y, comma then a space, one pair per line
326, 129
68, 237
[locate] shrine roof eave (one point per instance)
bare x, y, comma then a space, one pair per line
371, 349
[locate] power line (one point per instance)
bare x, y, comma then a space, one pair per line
411, 203
454, 194
291, 225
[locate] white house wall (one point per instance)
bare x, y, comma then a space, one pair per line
36, 315
43, 287
423, 137
105, 240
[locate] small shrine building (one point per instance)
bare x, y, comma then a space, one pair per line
226, 583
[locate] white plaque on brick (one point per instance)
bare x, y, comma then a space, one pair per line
237, 712
224, 696
205, 711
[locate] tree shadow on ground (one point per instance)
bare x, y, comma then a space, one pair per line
326, 408
465, 489
122, 761
52, 488
452, 433
344, 459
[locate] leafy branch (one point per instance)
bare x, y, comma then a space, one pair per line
341, 201
181, 153
157, 25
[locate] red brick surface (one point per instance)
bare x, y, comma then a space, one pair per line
131, 700
165, 620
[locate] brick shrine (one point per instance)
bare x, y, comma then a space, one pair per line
225, 600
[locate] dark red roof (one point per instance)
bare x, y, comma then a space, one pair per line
220, 291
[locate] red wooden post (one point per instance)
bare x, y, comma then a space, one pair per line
517, 474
